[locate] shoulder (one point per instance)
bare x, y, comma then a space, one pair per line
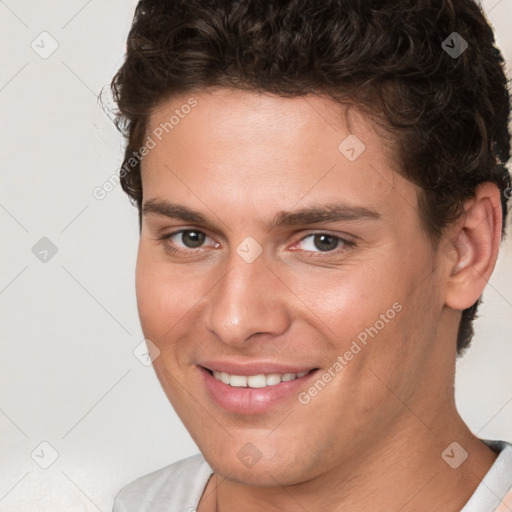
501, 470
493, 493
177, 486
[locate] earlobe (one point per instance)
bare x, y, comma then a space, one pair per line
476, 244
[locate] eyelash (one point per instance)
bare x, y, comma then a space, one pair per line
345, 244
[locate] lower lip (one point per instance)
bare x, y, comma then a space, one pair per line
252, 400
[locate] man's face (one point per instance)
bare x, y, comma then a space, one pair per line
252, 296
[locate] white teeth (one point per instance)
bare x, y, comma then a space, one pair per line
257, 381
238, 381
273, 379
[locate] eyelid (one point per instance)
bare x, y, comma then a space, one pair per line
345, 243
165, 236
345, 240
341, 236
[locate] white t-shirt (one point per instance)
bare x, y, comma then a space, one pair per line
179, 486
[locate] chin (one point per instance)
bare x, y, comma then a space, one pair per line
250, 466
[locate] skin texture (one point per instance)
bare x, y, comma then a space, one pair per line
373, 437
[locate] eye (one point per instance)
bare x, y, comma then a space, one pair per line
190, 239
324, 243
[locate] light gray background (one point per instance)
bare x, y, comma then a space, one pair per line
69, 326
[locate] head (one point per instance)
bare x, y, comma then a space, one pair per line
243, 110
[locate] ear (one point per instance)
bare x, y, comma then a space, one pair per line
475, 240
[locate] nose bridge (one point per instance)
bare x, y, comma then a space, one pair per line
247, 300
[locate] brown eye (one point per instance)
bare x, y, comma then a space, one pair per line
192, 239
184, 241
323, 242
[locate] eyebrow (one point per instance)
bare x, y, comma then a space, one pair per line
309, 215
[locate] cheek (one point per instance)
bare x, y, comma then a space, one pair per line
169, 298
368, 313
348, 299
160, 300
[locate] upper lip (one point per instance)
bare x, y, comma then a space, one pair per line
253, 367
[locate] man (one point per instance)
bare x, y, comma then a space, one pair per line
322, 194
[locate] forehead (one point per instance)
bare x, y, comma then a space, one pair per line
263, 150
259, 119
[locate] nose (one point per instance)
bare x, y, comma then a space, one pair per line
249, 299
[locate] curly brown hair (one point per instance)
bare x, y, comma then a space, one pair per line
447, 114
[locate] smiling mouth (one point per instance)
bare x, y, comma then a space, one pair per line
256, 381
